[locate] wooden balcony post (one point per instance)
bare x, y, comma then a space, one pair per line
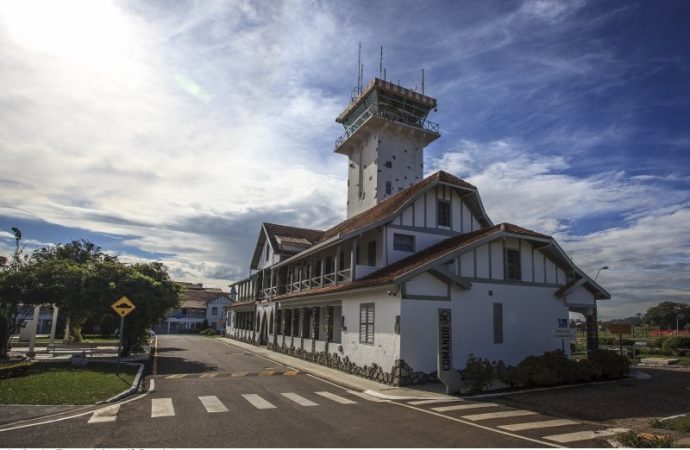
353, 260
336, 263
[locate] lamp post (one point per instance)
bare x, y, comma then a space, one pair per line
599, 271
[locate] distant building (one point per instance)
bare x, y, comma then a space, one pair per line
367, 295
197, 304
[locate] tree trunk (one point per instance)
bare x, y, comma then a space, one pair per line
66, 338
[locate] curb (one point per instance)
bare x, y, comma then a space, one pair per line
334, 378
132, 389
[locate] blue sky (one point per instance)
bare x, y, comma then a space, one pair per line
171, 130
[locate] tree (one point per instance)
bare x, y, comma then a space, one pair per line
664, 315
11, 315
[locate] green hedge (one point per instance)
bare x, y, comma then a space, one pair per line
615, 341
672, 345
209, 332
15, 370
554, 368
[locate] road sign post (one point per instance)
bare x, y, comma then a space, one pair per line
122, 307
620, 328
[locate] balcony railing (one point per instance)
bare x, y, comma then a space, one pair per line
385, 113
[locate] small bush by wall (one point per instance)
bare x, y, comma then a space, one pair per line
554, 368
478, 374
209, 332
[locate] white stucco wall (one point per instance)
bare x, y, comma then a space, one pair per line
580, 296
386, 347
529, 315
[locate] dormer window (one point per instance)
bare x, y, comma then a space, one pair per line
389, 164
443, 213
267, 250
513, 271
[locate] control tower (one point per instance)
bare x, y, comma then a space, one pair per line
385, 134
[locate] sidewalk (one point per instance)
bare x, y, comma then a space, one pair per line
422, 392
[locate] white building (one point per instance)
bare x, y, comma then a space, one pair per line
197, 305
364, 296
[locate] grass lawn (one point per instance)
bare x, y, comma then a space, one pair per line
62, 384
97, 340
677, 424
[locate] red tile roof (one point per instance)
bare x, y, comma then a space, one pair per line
194, 296
293, 234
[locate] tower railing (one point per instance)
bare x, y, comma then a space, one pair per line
386, 113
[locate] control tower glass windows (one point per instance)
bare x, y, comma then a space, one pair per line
389, 187
443, 213
388, 164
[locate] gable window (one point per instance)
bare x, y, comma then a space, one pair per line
389, 187
443, 213
267, 248
366, 323
498, 323
371, 253
403, 242
513, 265
214, 311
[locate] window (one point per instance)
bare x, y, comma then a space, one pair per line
389, 164
371, 253
214, 311
513, 265
306, 322
267, 248
389, 187
443, 213
366, 323
498, 323
403, 242
317, 324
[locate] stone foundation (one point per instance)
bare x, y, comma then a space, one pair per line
401, 374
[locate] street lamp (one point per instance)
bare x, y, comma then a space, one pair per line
599, 271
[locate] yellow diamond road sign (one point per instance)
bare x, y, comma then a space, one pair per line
123, 306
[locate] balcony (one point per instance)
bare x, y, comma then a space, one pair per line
388, 114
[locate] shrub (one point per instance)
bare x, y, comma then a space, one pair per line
18, 369
658, 342
209, 332
608, 365
478, 374
108, 325
633, 439
677, 344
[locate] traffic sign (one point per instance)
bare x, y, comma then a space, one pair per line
123, 306
563, 333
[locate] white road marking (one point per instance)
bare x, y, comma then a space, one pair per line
298, 399
367, 397
209, 375
537, 425
162, 407
212, 404
465, 406
584, 435
107, 414
257, 401
499, 415
152, 385
176, 376
436, 400
336, 398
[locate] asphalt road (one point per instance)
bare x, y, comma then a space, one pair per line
211, 394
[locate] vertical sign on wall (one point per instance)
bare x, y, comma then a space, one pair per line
446, 372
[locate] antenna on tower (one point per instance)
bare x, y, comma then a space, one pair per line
359, 70
381, 63
422, 81
384, 74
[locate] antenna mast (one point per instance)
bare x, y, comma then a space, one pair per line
381, 63
422, 81
359, 70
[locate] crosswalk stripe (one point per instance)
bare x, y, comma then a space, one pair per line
266, 373
212, 404
175, 376
107, 414
257, 401
209, 375
238, 374
538, 425
498, 415
465, 406
290, 372
298, 399
435, 400
584, 435
371, 398
336, 398
162, 407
